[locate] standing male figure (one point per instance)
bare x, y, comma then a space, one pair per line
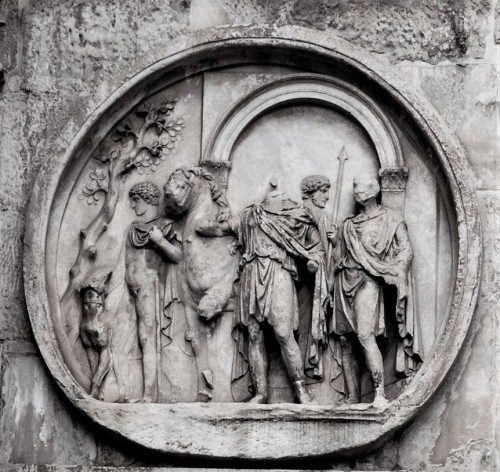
313, 334
373, 251
150, 240
272, 234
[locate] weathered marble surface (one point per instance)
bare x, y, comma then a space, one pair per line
403, 30
47, 97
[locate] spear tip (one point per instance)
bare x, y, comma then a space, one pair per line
343, 155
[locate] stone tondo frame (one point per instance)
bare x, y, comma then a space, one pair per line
241, 430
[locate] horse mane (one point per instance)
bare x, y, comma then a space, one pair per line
216, 194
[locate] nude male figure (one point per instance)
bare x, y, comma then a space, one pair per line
150, 244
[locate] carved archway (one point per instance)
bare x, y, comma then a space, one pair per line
308, 88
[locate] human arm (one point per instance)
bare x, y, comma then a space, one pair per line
214, 228
402, 247
401, 256
402, 250
173, 252
315, 249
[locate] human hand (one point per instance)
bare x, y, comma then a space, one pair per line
155, 235
312, 266
212, 228
332, 233
223, 214
398, 277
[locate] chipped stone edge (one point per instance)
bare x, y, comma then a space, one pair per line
205, 430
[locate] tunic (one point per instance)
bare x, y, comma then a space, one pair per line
373, 250
271, 235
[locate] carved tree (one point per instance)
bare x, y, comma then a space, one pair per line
140, 144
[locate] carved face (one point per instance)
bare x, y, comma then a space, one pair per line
177, 195
140, 206
320, 197
92, 303
364, 188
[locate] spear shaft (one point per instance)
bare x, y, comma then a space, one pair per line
342, 157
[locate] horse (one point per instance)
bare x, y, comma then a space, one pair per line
206, 270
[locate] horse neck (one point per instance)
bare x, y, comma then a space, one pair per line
202, 205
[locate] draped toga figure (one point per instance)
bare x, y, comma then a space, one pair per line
272, 236
314, 338
373, 252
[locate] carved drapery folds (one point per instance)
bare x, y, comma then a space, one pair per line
277, 254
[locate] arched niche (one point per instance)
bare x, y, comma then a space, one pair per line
327, 92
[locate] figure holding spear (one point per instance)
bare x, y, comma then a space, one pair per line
315, 191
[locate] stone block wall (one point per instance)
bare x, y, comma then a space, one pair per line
62, 58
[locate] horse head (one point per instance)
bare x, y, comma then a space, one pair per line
186, 186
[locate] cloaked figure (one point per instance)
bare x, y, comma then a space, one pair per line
273, 235
313, 333
373, 255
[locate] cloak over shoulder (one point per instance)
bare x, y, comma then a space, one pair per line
291, 228
377, 244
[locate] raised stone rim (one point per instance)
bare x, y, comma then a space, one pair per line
448, 342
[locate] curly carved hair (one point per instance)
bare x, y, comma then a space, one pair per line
313, 183
148, 191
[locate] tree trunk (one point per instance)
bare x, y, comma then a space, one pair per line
69, 326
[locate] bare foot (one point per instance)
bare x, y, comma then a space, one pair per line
380, 402
304, 398
124, 399
351, 400
300, 393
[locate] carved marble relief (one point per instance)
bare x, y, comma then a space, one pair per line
299, 287
253, 236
